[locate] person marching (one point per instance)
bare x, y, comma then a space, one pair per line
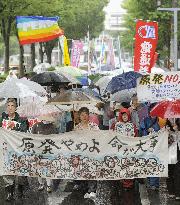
126, 128
11, 120
45, 127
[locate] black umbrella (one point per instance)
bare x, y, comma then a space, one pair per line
50, 78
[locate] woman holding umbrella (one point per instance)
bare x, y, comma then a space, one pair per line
11, 120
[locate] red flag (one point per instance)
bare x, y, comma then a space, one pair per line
145, 45
155, 57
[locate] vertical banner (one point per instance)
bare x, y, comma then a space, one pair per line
146, 39
64, 47
110, 57
66, 53
76, 51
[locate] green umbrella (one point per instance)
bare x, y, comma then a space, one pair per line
71, 70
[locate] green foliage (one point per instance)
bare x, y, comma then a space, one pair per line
147, 10
3, 77
77, 15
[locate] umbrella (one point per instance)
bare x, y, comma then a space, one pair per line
124, 81
72, 97
123, 95
89, 92
50, 78
80, 75
20, 88
73, 71
167, 109
103, 82
36, 110
71, 78
42, 67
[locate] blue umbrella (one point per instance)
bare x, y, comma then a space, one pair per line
124, 81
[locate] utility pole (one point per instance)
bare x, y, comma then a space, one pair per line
175, 10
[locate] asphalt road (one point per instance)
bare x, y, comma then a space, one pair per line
65, 195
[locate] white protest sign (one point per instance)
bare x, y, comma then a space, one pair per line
82, 155
159, 87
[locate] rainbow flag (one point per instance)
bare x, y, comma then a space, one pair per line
32, 29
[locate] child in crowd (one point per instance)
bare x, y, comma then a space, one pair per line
126, 128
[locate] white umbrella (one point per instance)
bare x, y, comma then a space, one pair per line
72, 79
103, 82
36, 110
123, 95
20, 88
40, 68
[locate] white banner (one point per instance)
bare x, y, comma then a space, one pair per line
159, 87
97, 155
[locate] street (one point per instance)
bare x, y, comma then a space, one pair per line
65, 195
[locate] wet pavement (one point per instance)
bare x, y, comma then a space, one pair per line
64, 194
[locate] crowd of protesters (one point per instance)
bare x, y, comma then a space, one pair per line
115, 116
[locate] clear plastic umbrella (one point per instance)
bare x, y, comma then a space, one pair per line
36, 110
42, 67
103, 82
20, 88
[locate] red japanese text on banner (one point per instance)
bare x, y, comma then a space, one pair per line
146, 39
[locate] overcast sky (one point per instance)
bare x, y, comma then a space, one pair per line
114, 6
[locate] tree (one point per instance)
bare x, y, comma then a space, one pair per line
147, 10
75, 15
11, 9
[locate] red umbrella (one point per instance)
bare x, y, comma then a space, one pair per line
167, 109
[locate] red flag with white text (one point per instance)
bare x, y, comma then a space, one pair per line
146, 39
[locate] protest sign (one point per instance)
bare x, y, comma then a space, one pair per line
159, 87
146, 39
82, 155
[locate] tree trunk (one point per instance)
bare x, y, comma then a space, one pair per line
41, 53
48, 49
21, 61
60, 56
6, 30
33, 62
6, 55
48, 53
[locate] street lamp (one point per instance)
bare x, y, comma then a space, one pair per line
175, 10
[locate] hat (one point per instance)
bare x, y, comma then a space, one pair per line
122, 111
47, 118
